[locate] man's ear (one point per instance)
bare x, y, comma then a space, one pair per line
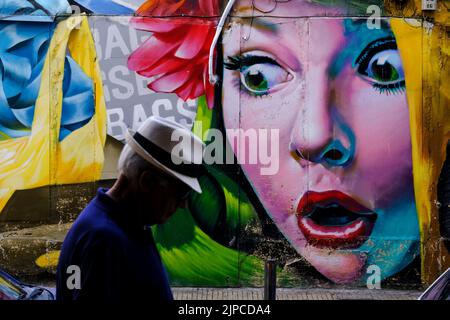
146, 180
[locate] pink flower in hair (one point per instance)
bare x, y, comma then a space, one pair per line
175, 57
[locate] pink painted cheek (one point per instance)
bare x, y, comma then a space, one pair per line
374, 117
380, 124
275, 192
279, 193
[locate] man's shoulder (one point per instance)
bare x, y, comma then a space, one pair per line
94, 224
107, 232
95, 240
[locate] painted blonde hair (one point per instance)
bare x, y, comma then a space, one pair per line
424, 47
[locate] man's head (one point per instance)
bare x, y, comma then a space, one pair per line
150, 177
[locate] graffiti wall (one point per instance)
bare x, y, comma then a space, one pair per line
325, 123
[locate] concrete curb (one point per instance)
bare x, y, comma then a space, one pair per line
292, 294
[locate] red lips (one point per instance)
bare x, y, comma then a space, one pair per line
333, 219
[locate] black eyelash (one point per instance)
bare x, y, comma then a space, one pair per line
239, 62
233, 63
394, 88
362, 62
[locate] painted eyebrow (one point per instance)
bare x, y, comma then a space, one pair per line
261, 25
237, 62
359, 23
359, 27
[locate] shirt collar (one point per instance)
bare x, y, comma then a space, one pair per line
119, 212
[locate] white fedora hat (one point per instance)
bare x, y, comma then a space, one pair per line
170, 147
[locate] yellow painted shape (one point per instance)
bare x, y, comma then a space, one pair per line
48, 260
425, 59
40, 159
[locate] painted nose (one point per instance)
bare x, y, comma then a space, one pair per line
334, 154
317, 134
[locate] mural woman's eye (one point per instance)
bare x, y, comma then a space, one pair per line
381, 64
385, 67
260, 78
258, 74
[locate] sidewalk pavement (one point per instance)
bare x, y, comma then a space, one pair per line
292, 294
189, 293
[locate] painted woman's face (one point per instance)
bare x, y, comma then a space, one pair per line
334, 90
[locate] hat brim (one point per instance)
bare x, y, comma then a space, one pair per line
190, 181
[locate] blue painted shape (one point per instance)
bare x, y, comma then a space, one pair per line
33, 10
107, 7
23, 49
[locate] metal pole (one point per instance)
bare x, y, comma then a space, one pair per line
270, 280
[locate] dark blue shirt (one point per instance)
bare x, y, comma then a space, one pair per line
118, 259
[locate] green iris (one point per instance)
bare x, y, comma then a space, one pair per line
384, 72
256, 81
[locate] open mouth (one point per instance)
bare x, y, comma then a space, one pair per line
335, 220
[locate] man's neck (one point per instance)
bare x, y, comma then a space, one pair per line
120, 191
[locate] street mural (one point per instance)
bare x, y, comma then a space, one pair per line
325, 122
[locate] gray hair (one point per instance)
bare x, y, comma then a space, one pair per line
131, 165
